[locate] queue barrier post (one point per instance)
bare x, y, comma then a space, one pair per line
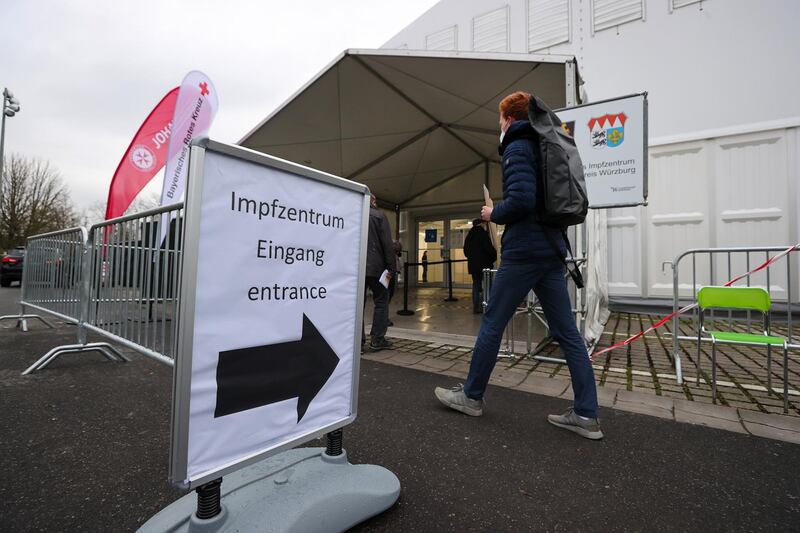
405, 311
450, 297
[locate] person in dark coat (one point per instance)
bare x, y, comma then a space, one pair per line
480, 254
529, 261
380, 257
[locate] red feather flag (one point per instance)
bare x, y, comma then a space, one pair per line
145, 156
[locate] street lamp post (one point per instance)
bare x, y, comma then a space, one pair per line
10, 108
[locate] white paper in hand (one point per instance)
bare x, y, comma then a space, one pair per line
493, 234
385, 278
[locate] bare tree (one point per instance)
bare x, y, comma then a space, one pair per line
144, 202
96, 212
35, 200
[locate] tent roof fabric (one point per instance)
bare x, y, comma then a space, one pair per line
418, 128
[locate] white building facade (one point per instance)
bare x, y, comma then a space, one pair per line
724, 118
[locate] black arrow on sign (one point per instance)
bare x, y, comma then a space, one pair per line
251, 377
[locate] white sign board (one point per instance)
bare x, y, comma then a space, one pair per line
271, 305
611, 137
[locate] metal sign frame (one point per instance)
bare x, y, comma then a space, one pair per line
181, 391
645, 151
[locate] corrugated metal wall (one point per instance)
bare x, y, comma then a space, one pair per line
490, 31
610, 13
676, 4
732, 191
722, 189
548, 23
446, 39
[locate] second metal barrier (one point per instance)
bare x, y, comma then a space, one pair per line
716, 266
119, 280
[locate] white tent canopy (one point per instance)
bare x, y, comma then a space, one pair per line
418, 128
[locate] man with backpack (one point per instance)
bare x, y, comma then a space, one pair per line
532, 258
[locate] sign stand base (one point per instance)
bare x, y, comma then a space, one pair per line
298, 490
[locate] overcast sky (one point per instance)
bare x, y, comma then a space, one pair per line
87, 73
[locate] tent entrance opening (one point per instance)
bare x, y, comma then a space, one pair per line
439, 240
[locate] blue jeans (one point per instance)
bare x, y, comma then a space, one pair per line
511, 284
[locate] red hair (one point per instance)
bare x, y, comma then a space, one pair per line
515, 105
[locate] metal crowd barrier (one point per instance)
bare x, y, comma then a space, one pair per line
118, 280
133, 275
531, 308
717, 266
51, 279
507, 351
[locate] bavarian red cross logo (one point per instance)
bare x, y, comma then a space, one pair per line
204, 88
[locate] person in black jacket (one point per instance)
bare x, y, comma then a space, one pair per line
380, 257
529, 261
480, 254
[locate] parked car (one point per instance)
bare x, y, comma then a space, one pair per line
11, 266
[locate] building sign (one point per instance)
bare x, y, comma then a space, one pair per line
611, 137
430, 235
271, 305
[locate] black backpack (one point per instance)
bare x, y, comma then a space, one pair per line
563, 188
562, 200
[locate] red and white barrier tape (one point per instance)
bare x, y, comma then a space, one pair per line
689, 307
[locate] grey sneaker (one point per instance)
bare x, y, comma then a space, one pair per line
456, 399
589, 429
379, 343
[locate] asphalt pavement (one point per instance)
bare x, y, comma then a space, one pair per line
86, 442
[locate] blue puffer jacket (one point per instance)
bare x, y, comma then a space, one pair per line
524, 239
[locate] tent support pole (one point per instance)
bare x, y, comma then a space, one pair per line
397, 221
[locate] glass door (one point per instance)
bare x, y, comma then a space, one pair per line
438, 240
430, 241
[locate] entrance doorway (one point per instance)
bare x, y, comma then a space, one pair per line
438, 240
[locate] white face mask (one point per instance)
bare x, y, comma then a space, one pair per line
502, 134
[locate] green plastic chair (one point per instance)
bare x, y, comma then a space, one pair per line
742, 299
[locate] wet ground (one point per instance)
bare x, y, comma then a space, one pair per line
646, 365
85, 448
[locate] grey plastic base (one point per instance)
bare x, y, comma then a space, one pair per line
302, 490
